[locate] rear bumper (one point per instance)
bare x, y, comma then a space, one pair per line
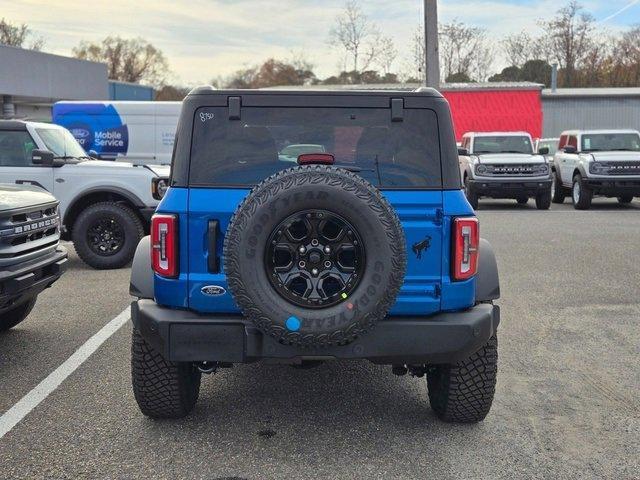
26, 279
185, 336
614, 187
509, 188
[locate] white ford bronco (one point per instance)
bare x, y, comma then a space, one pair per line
504, 165
104, 207
597, 162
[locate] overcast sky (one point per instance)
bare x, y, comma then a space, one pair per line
203, 39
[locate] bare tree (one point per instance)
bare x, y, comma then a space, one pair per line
464, 52
418, 53
386, 53
626, 58
18, 35
128, 60
352, 32
569, 36
518, 48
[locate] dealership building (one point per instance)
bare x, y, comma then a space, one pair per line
31, 82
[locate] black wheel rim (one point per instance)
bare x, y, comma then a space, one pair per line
105, 236
315, 259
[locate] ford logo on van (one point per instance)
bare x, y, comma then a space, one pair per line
80, 132
213, 290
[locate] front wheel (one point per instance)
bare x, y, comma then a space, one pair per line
16, 315
543, 200
581, 194
163, 389
463, 392
106, 234
625, 199
472, 197
557, 191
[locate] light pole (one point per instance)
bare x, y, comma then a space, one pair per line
432, 60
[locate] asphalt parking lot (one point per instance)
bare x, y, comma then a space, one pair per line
567, 403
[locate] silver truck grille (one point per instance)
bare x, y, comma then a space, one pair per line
513, 170
25, 230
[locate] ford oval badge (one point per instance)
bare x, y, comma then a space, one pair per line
213, 290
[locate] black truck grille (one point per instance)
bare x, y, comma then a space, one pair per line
21, 229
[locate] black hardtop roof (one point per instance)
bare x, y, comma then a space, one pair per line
15, 125
421, 92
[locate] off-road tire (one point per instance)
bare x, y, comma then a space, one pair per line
128, 221
522, 200
585, 194
558, 192
463, 392
306, 188
162, 389
13, 317
625, 199
543, 200
472, 197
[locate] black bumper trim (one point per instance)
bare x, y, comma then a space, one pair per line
509, 188
30, 278
614, 187
185, 336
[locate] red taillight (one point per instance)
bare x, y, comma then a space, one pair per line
466, 240
164, 245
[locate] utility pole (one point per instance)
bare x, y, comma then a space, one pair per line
432, 59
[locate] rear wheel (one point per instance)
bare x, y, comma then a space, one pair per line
16, 315
472, 197
625, 199
163, 389
106, 234
463, 392
557, 190
581, 194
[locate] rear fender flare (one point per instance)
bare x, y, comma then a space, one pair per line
141, 284
487, 280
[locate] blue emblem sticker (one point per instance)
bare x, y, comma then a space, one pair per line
293, 324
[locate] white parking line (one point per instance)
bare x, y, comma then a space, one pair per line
31, 400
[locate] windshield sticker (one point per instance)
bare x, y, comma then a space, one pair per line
587, 143
205, 116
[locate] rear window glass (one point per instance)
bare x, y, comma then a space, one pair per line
267, 140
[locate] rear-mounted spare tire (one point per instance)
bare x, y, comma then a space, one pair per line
315, 256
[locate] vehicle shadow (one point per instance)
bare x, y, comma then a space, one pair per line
336, 404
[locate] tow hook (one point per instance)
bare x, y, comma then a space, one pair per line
207, 367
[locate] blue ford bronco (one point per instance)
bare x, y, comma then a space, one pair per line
364, 249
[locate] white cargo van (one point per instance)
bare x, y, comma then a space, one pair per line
136, 132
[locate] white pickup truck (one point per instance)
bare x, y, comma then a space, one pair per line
105, 206
597, 162
504, 165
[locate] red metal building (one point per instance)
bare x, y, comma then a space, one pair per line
490, 107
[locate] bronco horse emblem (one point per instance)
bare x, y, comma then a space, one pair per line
420, 247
